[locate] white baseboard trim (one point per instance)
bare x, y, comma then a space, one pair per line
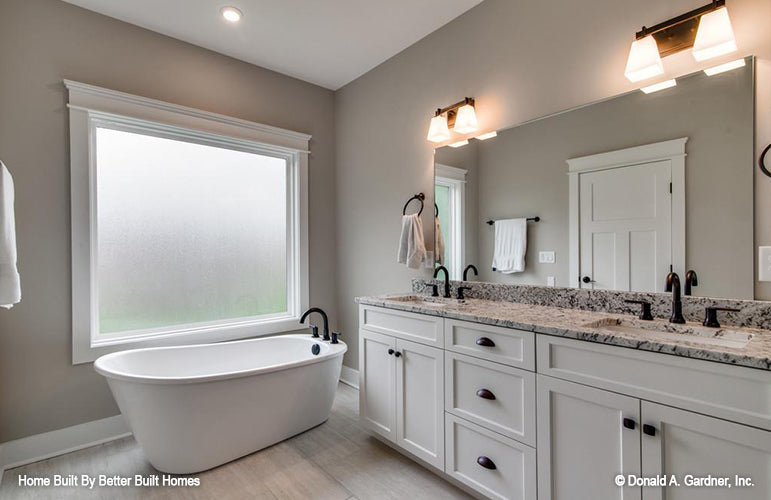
50, 444
349, 376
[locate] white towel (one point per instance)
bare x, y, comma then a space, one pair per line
438, 242
510, 246
10, 286
412, 247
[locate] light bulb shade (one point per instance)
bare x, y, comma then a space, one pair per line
644, 60
438, 131
466, 120
715, 36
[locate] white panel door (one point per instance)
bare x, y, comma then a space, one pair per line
377, 384
420, 401
688, 443
583, 442
626, 227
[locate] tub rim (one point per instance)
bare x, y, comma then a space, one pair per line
335, 350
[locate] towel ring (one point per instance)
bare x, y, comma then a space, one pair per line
762, 161
420, 197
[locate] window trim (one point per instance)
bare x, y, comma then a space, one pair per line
454, 178
90, 106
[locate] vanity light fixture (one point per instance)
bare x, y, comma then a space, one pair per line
715, 36
438, 130
722, 68
459, 143
707, 29
644, 60
231, 14
659, 86
461, 117
488, 135
466, 121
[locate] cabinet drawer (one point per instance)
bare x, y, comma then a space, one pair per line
471, 385
730, 392
514, 475
419, 328
502, 345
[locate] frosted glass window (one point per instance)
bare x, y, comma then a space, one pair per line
187, 233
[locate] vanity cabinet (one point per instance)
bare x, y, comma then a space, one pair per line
518, 415
402, 393
460, 396
588, 435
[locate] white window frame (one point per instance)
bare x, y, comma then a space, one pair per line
455, 179
91, 107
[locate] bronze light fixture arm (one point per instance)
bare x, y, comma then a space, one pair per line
678, 33
452, 110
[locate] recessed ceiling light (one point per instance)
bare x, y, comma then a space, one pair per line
231, 14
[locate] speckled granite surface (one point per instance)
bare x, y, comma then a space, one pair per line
576, 324
753, 313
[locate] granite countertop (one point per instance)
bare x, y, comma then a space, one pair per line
572, 323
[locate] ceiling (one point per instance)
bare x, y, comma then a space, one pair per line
326, 42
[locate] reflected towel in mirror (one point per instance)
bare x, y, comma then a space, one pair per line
510, 246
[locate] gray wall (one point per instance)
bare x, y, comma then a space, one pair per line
43, 41
520, 60
523, 171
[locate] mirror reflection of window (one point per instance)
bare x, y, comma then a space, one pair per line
449, 192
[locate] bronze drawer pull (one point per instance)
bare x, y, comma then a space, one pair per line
486, 463
485, 342
485, 394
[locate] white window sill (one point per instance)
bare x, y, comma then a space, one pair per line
89, 352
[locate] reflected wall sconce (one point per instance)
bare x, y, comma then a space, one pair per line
461, 117
707, 30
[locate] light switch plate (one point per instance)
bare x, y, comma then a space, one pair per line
546, 257
764, 263
550, 281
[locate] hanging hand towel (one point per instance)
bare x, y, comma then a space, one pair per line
10, 287
412, 248
510, 246
438, 242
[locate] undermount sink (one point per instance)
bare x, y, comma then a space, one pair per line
425, 301
664, 331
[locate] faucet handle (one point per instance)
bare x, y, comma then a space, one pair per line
710, 315
314, 330
461, 289
434, 289
645, 309
335, 335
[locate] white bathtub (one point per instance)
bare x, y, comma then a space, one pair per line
192, 408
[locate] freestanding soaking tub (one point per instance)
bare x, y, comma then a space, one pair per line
192, 408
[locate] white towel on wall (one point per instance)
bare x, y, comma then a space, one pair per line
412, 246
510, 246
438, 242
10, 284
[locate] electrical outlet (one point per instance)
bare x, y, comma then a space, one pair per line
546, 257
764, 263
550, 281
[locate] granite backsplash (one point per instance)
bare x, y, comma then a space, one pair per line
752, 313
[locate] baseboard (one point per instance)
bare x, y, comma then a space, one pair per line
50, 444
349, 376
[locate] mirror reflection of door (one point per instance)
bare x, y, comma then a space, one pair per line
627, 237
449, 234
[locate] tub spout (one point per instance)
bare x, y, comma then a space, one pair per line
323, 316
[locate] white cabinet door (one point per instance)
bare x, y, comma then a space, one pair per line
377, 383
626, 227
583, 443
420, 401
686, 443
